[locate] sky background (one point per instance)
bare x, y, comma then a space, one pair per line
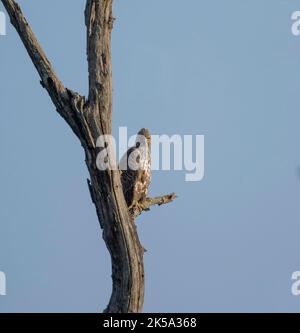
228, 70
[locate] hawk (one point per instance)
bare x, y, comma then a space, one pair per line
135, 169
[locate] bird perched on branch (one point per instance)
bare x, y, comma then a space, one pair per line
135, 169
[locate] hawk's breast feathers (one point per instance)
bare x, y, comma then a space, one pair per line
135, 169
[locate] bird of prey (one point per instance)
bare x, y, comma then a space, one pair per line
135, 168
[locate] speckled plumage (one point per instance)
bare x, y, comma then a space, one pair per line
135, 168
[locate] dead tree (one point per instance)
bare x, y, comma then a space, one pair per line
90, 118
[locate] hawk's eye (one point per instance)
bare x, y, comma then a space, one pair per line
138, 159
138, 144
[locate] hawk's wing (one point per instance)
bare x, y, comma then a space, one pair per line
128, 177
135, 182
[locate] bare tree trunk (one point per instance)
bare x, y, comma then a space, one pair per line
90, 119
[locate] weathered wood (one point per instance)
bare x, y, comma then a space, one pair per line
149, 202
90, 119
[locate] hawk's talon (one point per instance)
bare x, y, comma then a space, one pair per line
139, 207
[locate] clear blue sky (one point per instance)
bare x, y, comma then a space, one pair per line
226, 69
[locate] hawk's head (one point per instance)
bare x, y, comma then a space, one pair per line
143, 135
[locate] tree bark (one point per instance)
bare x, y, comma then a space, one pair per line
90, 118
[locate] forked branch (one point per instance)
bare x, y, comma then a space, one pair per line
90, 119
